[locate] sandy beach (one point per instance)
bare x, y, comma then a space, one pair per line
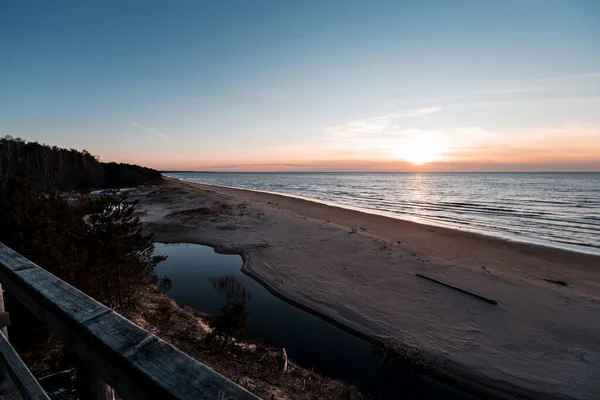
541, 339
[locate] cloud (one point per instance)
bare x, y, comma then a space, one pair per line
147, 129
383, 124
416, 112
555, 83
556, 88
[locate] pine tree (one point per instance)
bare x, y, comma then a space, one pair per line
99, 248
122, 255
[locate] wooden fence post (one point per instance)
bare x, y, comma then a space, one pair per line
2, 310
4, 331
90, 386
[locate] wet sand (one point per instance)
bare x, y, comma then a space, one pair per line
541, 339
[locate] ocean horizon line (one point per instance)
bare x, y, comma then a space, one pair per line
373, 172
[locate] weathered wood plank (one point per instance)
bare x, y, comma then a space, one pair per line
20, 375
135, 363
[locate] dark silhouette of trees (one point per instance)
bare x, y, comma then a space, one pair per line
123, 175
228, 325
50, 169
123, 258
44, 229
97, 246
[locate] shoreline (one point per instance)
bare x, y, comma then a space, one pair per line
572, 247
278, 282
428, 363
461, 383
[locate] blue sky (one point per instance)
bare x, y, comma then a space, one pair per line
307, 85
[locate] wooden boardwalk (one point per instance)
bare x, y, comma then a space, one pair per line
114, 354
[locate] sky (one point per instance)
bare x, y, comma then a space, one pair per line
307, 85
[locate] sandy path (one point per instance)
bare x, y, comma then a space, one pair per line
542, 340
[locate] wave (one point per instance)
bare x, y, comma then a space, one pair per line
557, 209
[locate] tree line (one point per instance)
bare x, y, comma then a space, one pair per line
50, 168
96, 243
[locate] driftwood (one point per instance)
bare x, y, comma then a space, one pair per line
55, 374
459, 289
284, 361
556, 282
135, 363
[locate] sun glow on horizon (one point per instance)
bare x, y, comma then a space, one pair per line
419, 148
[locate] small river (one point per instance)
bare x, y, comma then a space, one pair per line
206, 281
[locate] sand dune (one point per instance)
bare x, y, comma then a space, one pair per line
542, 339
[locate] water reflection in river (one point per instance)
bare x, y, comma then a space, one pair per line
230, 288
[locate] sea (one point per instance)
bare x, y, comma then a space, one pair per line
553, 209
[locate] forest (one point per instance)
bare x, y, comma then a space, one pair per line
50, 169
94, 243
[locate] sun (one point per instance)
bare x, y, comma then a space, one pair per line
419, 148
421, 152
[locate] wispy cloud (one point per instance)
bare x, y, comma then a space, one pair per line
158, 133
555, 88
556, 83
382, 124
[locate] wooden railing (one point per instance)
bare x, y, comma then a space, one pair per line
113, 352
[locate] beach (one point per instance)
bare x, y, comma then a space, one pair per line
541, 339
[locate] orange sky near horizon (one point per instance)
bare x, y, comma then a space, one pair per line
565, 148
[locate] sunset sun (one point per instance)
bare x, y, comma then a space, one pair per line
419, 149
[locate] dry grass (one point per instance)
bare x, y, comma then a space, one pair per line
254, 366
